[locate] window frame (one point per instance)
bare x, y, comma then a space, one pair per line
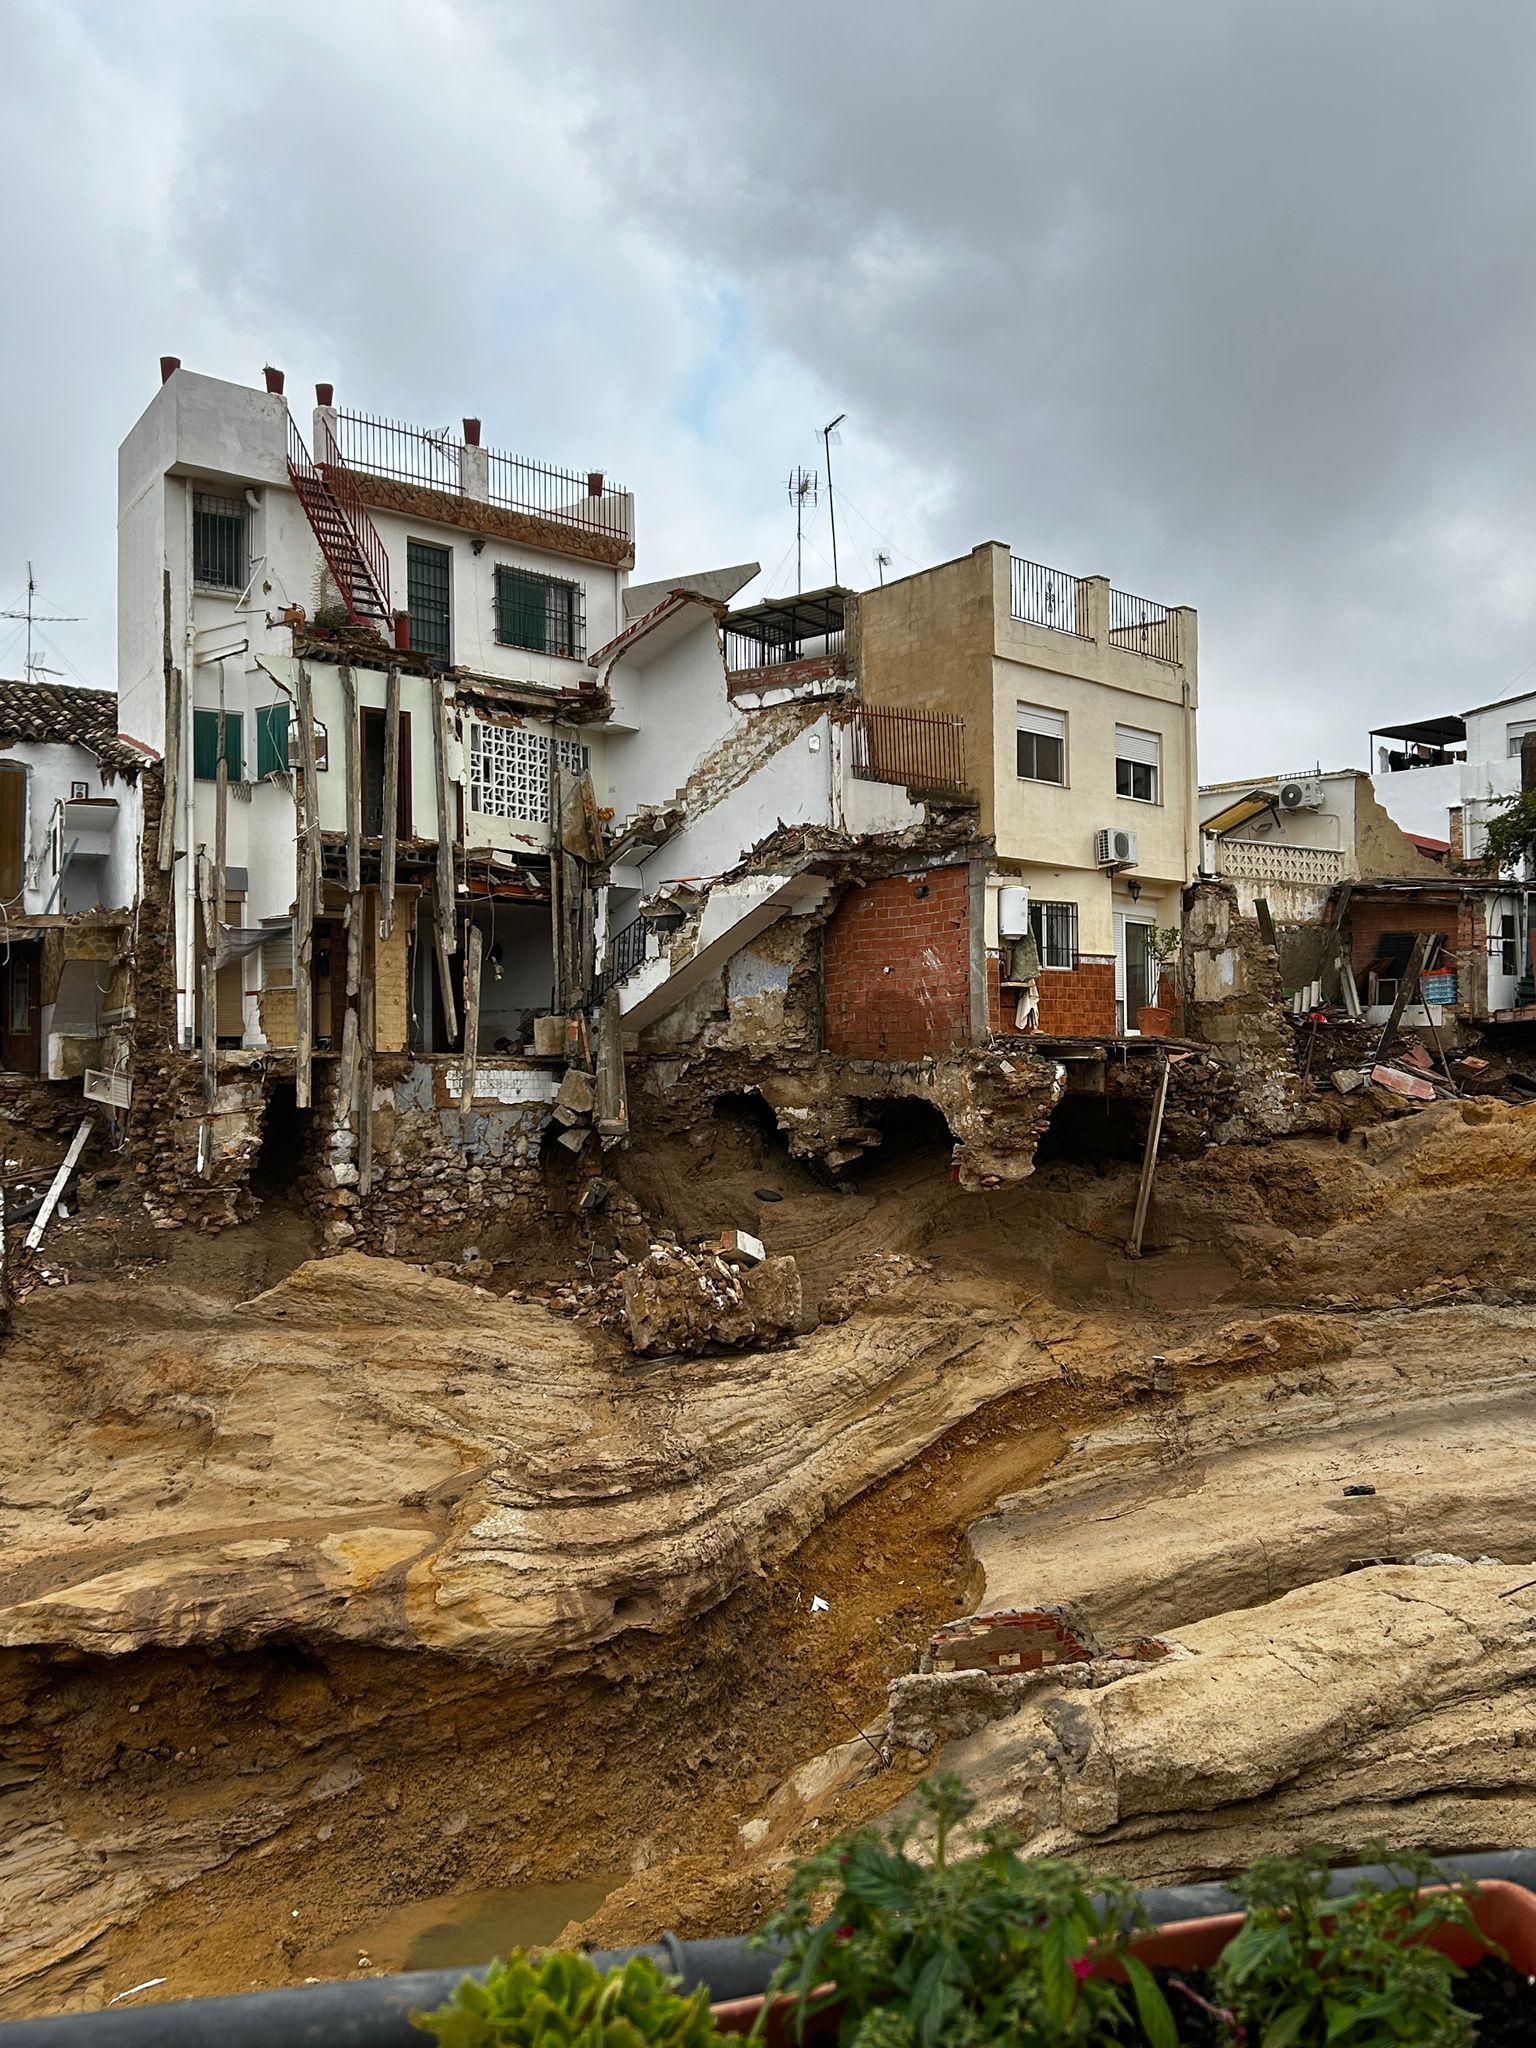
415, 551
207, 508
1042, 929
267, 744
205, 718
573, 627
1131, 762
1031, 733
1515, 731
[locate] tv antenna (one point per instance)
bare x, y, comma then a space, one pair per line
829, 434
803, 485
36, 668
882, 563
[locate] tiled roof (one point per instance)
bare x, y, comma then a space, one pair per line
87, 718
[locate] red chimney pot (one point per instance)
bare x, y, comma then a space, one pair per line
169, 365
325, 394
594, 483
472, 433
274, 380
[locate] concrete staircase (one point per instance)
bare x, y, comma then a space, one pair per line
735, 913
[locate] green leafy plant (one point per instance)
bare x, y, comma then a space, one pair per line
1355, 1972
565, 2001
1164, 941
964, 1950
1509, 836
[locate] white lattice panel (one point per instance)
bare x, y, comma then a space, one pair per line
1256, 860
509, 771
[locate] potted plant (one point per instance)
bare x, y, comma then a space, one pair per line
1155, 1020
565, 2001
886, 1951
1387, 1963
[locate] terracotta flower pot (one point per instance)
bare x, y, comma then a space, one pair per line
1505, 1914
1153, 1021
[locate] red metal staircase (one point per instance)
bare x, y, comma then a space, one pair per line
352, 545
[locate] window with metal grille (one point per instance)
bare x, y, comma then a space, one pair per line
205, 745
427, 571
1055, 928
509, 771
539, 613
1138, 761
1042, 745
271, 739
219, 553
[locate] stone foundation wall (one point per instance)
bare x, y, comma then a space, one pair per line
1234, 1003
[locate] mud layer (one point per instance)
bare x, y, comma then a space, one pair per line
370, 1586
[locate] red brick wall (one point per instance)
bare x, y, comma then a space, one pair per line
1368, 920
896, 967
1078, 1002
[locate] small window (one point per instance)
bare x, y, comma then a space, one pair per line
1042, 745
427, 573
205, 745
1138, 763
539, 613
1509, 946
219, 554
277, 953
1514, 733
1055, 928
271, 739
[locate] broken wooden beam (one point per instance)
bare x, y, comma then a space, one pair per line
472, 974
1407, 990
354, 785
58, 1184
1149, 1164
311, 814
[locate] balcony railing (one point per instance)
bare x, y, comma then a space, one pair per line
914, 749
1048, 597
1141, 626
745, 651
435, 460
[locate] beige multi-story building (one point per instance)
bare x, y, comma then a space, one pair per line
1075, 706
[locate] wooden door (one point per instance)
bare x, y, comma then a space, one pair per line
13, 832
21, 1037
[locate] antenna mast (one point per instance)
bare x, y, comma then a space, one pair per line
802, 485
828, 432
36, 668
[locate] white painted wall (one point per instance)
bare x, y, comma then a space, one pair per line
669, 710
109, 881
1420, 799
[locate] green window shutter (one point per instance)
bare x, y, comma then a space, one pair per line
522, 617
271, 739
205, 745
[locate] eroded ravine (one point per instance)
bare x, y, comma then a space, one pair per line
375, 1588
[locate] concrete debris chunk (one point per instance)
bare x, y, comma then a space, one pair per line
680, 1301
1348, 1080
740, 1248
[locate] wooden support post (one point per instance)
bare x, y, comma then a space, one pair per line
354, 944
473, 969
221, 821
612, 1098
1149, 1164
444, 891
354, 789
171, 769
304, 983
365, 1126
391, 818
1407, 988
316, 903
557, 888
210, 994
58, 1184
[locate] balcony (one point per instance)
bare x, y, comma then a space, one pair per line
917, 750
1064, 603
787, 642
433, 460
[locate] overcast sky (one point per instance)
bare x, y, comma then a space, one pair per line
1233, 301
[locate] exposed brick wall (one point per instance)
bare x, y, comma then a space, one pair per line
788, 675
1011, 1641
1369, 919
474, 515
897, 968
1079, 1002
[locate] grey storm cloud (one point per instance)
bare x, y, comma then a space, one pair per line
1228, 300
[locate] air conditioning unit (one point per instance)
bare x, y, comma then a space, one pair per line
1305, 795
1116, 849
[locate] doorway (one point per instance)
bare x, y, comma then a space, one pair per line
373, 724
1135, 969
21, 1037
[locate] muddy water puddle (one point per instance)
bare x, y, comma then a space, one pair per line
460, 1928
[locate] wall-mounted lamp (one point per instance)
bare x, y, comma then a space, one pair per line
1135, 889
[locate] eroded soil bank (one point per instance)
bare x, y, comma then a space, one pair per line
360, 1586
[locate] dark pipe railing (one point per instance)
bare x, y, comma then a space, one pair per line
374, 2012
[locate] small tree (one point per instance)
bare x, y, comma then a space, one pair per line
1509, 838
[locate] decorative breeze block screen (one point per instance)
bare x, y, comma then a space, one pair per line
509, 771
